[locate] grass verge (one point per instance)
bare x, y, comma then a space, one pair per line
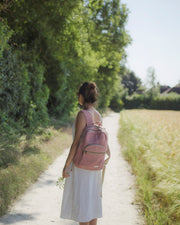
150, 141
34, 156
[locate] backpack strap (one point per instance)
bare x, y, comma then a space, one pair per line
88, 117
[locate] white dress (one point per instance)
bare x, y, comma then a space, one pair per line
82, 200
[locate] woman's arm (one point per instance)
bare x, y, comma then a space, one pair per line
79, 127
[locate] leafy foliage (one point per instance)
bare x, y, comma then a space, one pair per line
53, 46
23, 95
131, 82
161, 101
166, 101
116, 102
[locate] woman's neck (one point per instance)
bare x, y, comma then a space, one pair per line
88, 106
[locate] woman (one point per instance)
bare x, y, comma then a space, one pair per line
82, 200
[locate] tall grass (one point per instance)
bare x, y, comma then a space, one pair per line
150, 140
34, 157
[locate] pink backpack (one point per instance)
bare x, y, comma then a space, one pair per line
92, 146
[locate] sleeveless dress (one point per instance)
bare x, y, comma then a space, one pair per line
82, 200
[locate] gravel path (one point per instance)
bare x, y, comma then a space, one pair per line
40, 204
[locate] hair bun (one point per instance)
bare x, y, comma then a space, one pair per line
89, 91
92, 86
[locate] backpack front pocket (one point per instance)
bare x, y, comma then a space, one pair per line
93, 156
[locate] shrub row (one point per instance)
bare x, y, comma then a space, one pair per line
169, 101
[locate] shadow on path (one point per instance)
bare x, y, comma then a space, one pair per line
17, 217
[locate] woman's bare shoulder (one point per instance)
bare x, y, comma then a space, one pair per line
80, 117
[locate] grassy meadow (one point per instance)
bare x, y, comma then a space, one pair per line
150, 140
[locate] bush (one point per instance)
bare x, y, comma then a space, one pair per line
162, 101
116, 104
137, 101
23, 96
166, 101
9, 155
5, 34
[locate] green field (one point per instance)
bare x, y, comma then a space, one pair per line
150, 141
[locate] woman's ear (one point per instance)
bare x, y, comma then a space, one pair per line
81, 99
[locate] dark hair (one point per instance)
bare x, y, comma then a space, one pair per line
89, 91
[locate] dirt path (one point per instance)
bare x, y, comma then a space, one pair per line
40, 204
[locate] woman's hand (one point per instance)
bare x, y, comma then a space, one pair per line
65, 172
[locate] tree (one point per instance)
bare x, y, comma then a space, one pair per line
108, 39
152, 86
151, 77
63, 43
131, 82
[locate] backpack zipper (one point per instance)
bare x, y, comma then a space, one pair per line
85, 151
92, 151
94, 144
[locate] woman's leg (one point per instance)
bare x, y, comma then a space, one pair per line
93, 222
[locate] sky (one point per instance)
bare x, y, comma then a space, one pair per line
154, 26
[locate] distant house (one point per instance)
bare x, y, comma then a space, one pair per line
175, 89
163, 88
140, 91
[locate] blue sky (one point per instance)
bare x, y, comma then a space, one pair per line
154, 26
